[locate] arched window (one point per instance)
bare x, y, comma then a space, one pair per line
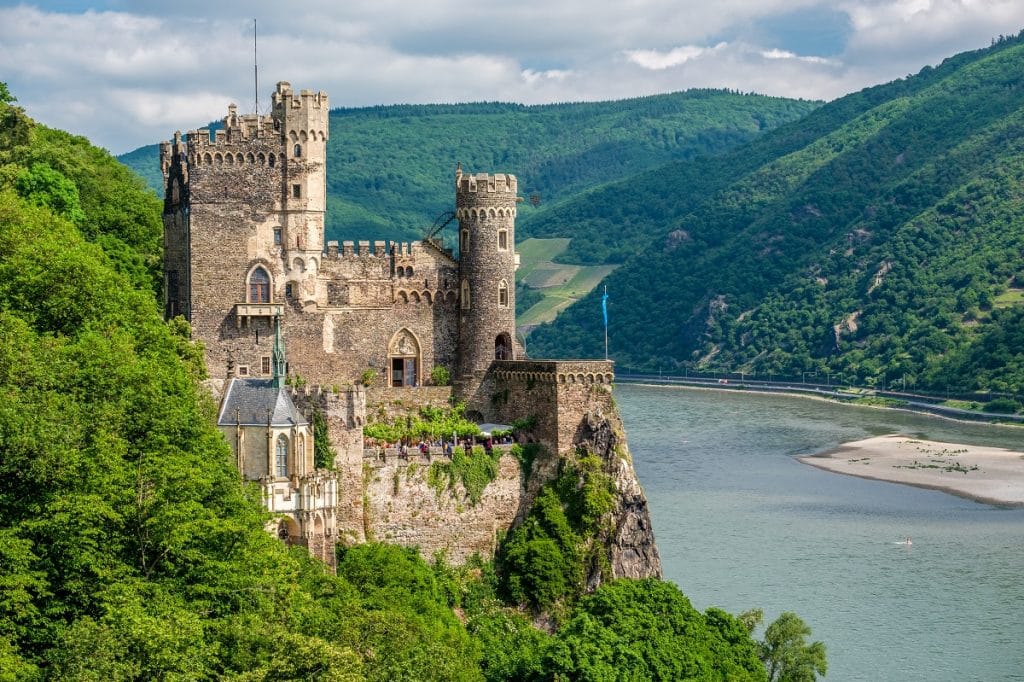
503, 294
298, 151
259, 286
465, 295
281, 456
503, 347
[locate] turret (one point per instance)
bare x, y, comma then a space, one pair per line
485, 206
303, 122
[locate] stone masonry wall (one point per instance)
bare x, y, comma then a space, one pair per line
401, 507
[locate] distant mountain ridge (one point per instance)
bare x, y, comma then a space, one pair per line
390, 168
879, 238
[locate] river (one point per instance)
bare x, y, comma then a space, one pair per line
742, 524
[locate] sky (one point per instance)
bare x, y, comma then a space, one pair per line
126, 74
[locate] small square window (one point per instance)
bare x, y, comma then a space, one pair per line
296, 191
243, 370
265, 364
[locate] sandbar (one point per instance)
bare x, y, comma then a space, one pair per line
985, 474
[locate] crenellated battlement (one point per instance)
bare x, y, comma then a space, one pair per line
484, 183
349, 249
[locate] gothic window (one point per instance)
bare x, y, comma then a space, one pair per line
465, 295
259, 286
502, 240
298, 151
503, 294
281, 456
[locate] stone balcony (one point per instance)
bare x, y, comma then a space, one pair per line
243, 311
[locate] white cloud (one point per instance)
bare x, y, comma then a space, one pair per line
776, 53
127, 78
656, 61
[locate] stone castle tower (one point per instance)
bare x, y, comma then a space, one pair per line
485, 206
257, 187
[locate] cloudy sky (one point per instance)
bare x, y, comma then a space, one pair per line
129, 73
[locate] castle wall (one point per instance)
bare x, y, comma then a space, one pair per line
403, 508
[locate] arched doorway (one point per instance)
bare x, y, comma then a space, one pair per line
503, 347
404, 359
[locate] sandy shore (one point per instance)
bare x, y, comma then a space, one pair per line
990, 475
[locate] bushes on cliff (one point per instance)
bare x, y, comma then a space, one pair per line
547, 559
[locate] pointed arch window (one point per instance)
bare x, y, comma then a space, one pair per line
259, 286
281, 456
503, 294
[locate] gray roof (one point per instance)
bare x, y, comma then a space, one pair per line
250, 402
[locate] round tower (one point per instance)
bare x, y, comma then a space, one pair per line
485, 206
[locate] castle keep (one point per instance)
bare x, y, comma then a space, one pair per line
245, 256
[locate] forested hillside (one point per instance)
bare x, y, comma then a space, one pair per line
880, 238
390, 168
130, 548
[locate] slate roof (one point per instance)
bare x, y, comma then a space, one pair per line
249, 401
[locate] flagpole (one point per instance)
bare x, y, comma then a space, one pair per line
604, 306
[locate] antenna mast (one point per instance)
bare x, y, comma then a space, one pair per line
255, 68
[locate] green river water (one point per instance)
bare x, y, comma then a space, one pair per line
741, 524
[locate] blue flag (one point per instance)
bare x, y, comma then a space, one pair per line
604, 307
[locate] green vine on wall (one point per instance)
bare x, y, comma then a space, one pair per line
474, 472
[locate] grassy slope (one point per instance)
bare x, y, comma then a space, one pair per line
560, 284
898, 206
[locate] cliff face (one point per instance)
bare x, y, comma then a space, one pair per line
632, 550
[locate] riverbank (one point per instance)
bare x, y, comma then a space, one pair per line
985, 474
887, 400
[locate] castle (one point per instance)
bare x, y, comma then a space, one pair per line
245, 252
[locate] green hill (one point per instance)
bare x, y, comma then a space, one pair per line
390, 168
882, 236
